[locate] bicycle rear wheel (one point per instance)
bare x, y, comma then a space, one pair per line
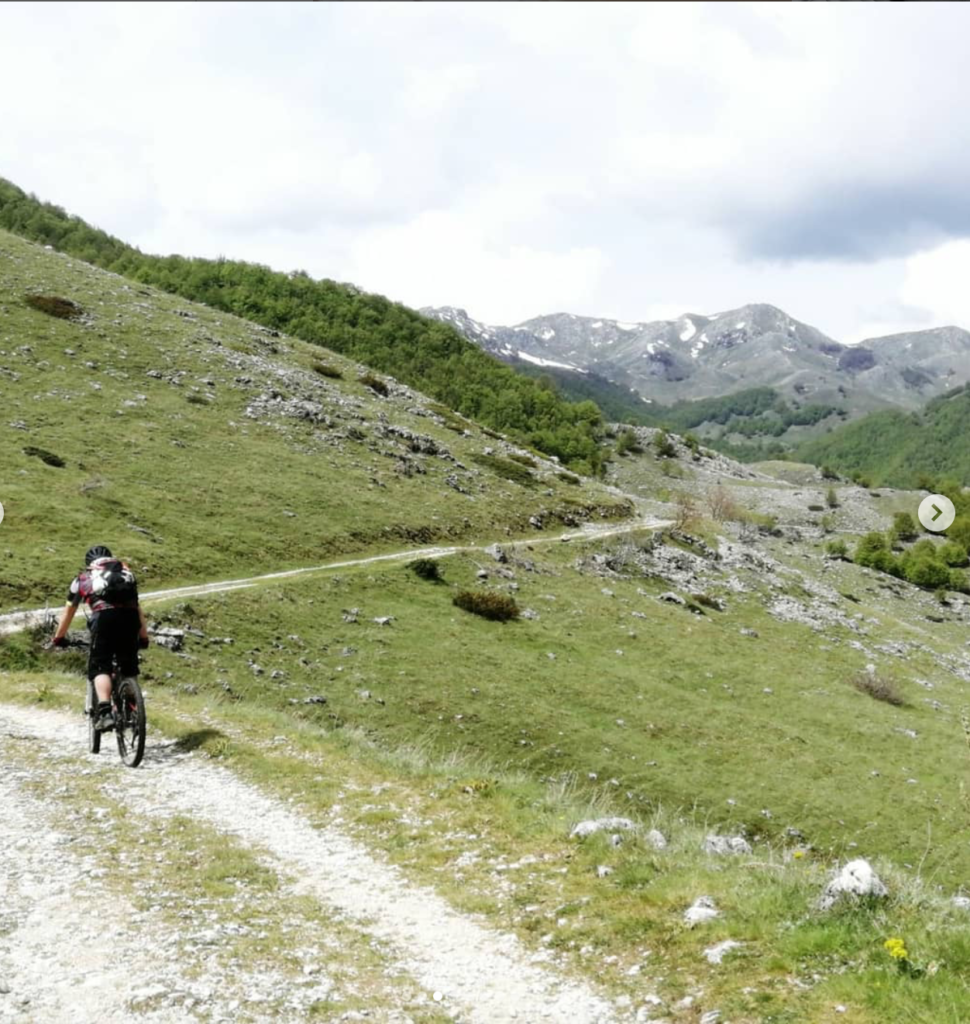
130, 724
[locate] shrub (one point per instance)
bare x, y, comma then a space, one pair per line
569, 478
924, 572
426, 568
48, 458
879, 688
958, 581
524, 460
326, 370
627, 441
831, 498
953, 554
828, 473
64, 309
904, 526
722, 505
196, 399
487, 604
837, 549
663, 444
816, 508
870, 545
374, 383
709, 602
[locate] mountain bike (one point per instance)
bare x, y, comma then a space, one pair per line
128, 708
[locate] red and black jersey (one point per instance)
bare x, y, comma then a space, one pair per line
105, 583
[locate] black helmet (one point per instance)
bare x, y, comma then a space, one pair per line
98, 551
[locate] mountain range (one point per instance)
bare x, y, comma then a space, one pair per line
757, 345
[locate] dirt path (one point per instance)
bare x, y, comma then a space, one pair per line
470, 972
13, 622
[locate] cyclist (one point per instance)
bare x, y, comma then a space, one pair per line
116, 621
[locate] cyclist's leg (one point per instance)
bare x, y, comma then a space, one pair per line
125, 643
99, 658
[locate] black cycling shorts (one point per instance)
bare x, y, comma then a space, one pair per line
114, 634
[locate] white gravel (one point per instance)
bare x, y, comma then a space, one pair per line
481, 974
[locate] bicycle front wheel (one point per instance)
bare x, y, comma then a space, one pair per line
130, 725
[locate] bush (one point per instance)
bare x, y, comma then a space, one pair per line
959, 582
828, 473
665, 447
924, 572
374, 383
627, 441
326, 370
426, 569
879, 688
816, 508
524, 460
904, 526
497, 607
953, 554
569, 478
831, 498
709, 602
837, 549
870, 545
63, 309
193, 398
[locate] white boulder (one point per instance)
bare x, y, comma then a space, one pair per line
855, 880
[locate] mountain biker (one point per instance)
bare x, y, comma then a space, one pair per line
116, 621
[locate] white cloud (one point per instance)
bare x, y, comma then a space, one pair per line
937, 281
441, 258
603, 158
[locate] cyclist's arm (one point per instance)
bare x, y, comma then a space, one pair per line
67, 617
143, 632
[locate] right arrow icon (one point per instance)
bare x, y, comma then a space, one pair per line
936, 512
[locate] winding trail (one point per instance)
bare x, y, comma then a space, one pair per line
14, 622
53, 972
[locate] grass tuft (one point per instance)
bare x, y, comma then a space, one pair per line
879, 688
52, 305
497, 607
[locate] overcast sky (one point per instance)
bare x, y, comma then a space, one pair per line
631, 161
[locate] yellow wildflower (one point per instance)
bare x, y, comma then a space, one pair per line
896, 949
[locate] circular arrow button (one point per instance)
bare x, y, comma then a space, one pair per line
936, 513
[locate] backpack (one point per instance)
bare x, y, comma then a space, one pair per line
112, 581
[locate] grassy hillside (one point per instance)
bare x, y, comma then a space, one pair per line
425, 354
468, 761
899, 449
203, 446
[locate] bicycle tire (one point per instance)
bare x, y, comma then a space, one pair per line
94, 735
130, 725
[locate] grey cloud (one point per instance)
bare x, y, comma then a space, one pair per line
855, 220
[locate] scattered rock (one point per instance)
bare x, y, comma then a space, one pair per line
350, 614
856, 880
528, 613
701, 910
165, 636
594, 825
657, 839
671, 597
961, 902
384, 620
497, 553
744, 631
715, 954
726, 844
